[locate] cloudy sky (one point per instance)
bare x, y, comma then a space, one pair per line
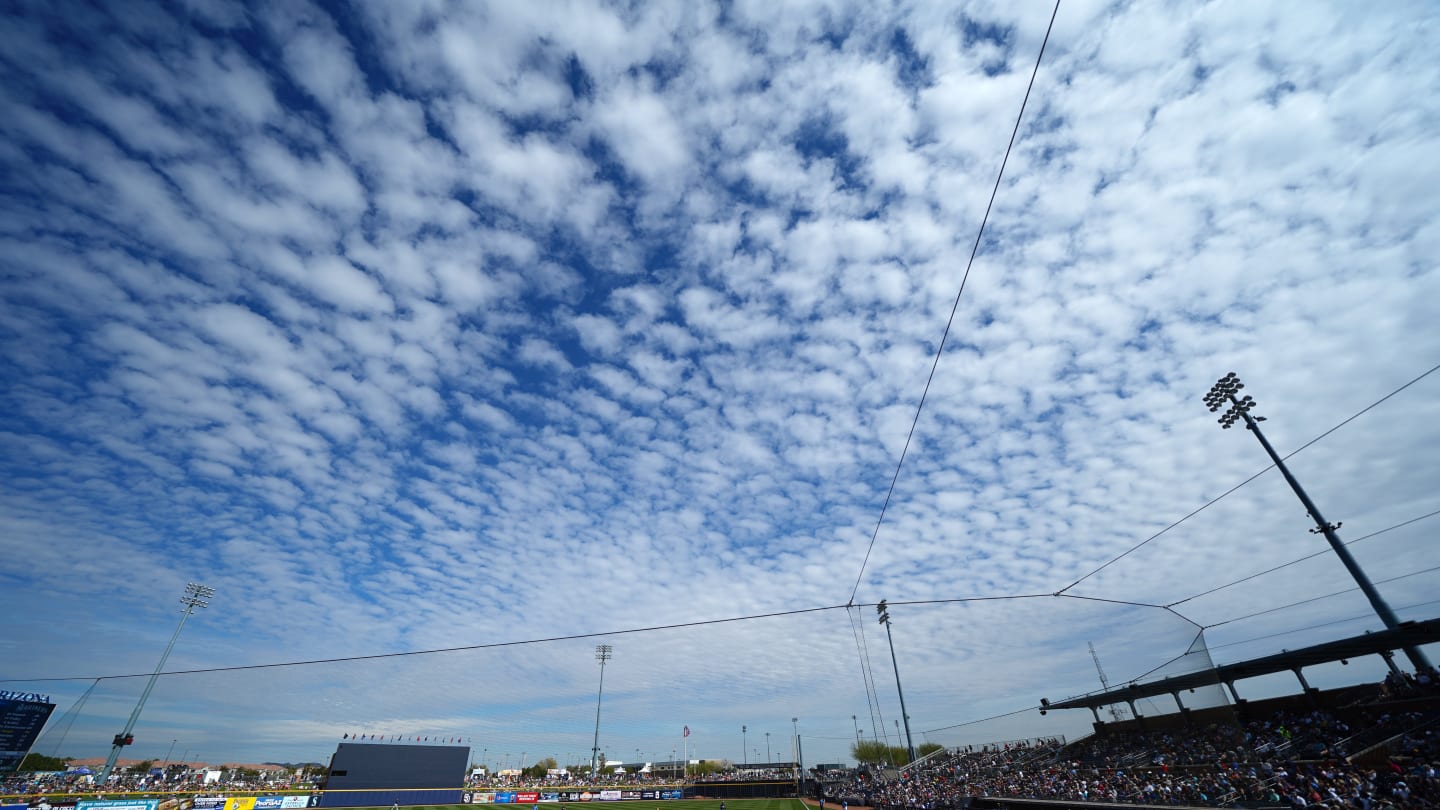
433, 324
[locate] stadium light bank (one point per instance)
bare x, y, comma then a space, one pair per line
196, 596
1224, 391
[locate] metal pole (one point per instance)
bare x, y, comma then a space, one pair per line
603, 653
909, 743
767, 748
885, 620
799, 759
195, 597
745, 760
1225, 389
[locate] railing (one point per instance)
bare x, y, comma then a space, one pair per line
1390, 740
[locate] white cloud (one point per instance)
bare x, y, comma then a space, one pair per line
376, 340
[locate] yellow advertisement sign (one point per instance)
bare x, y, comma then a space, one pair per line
240, 803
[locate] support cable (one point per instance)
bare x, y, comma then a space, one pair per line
1231, 490
974, 250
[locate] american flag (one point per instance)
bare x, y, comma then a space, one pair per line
687, 732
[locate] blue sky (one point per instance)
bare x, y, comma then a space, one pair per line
422, 325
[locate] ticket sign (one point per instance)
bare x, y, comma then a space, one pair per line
21, 718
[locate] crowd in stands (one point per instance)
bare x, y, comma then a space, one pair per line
1400, 684
1287, 760
748, 775
574, 779
1380, 757
83, 785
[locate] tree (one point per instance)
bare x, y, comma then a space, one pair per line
708, 766
143, 766
40, 762
539, 769
926, 749
872, 752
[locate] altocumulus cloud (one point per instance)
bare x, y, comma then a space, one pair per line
413, 325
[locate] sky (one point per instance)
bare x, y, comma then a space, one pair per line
408, 326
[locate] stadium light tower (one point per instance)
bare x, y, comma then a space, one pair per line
603, 653
744, 758
196, 596
1224, 391
799, 756
885, 620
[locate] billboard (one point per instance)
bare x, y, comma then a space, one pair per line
22, 715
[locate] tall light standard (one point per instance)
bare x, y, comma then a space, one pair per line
767, 748
170, 751
885, 620
196, 596
745, 760
799, 755
1224, 392
856, 721
603, 653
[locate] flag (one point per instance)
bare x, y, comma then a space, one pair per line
346, 737
687, 732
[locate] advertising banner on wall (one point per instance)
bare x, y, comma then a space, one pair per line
240, 803
609, 795
672, 794
22, 715
527, 798
485, 797
118, 804
280, 802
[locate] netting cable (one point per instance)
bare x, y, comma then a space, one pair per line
940, 350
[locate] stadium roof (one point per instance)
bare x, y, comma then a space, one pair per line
1373, 643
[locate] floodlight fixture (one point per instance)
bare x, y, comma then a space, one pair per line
196, 596
1224, 391
603, 653
884, 612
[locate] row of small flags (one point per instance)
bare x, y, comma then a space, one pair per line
401, 738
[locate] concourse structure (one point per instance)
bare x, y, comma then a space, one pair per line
1383, 643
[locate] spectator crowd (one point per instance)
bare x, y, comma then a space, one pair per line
1287, 760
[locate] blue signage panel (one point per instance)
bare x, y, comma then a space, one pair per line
21, 718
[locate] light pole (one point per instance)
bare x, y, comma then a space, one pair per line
885, 620
799, 755
603, 653
1224, 392
767, 748
196, 596
745, 760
